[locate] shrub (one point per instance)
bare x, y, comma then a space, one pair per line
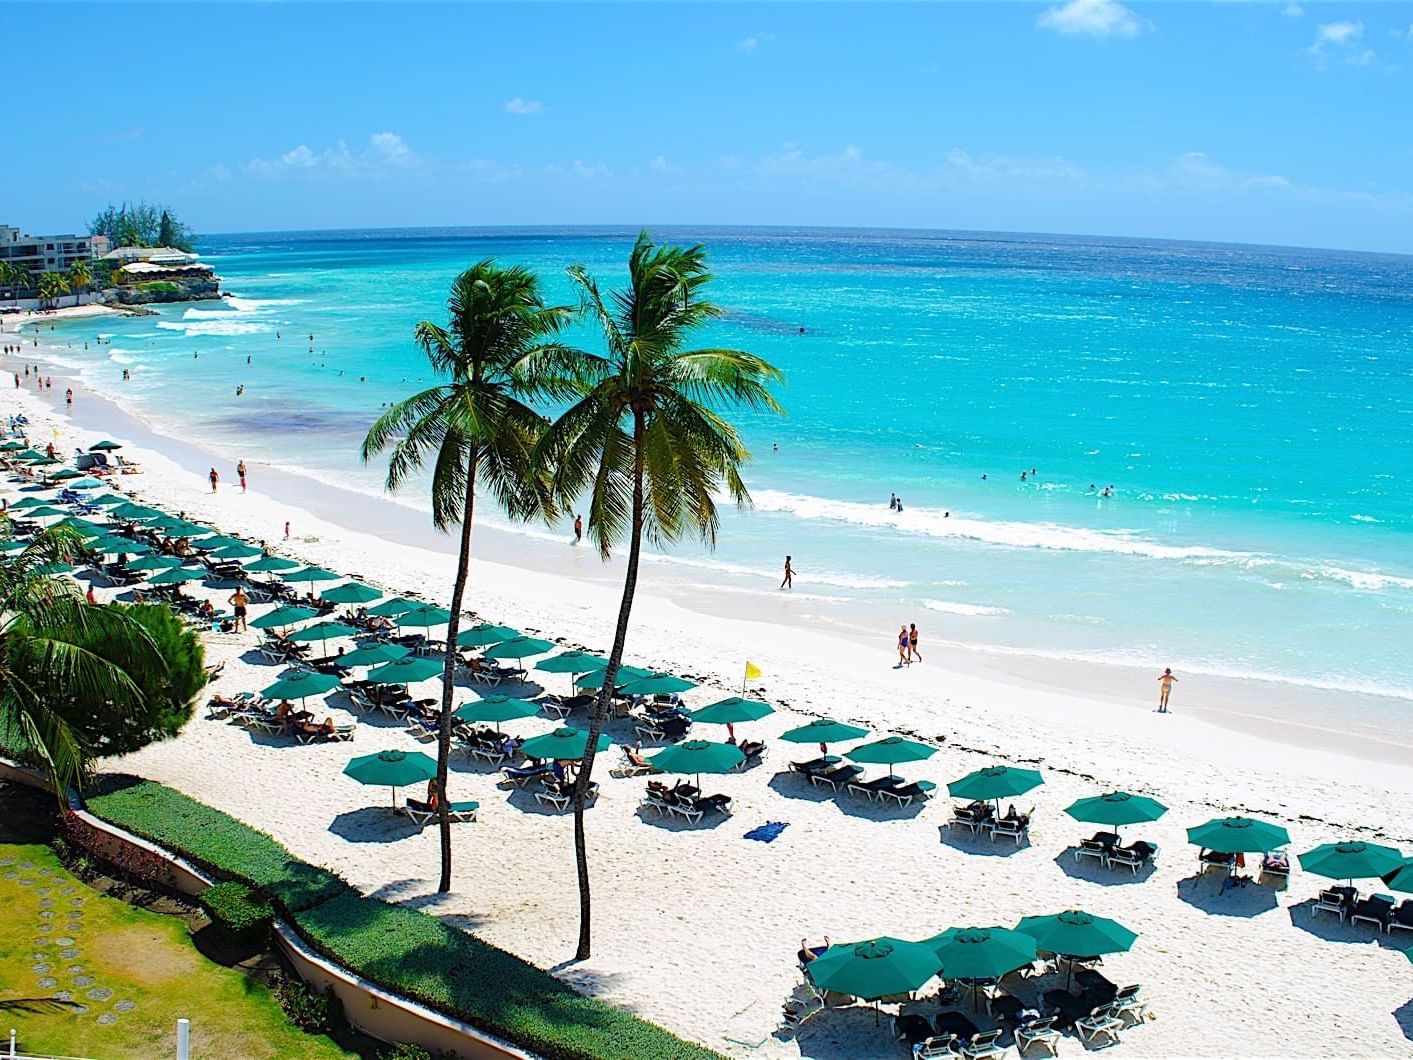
165, 286
239, 912
405, 1051
420, 957
312, 1011
215, 842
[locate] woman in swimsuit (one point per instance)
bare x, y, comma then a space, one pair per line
903, 646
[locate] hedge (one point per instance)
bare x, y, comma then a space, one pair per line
403, 950
241, 913
213, 841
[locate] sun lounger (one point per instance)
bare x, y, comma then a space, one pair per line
751, 751
1134, 856
560, 793
634, 765
1101, 1023
814, 765
518, 775
1012, 826
836, 775
1276, 864
977, 815
1211, 859
422, 814
904, 794
1092, 848
1337, 901
1039, 1031
1129, 1002
869, 789
554, 706
1377, 909
981, 1046
938, 1045
342, 732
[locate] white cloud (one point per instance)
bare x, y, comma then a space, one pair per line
523, 106
753, 42
1293, 11
385, 151
390, 148
1339, 34
1362, 58
661, 165
591, 169
1092, 18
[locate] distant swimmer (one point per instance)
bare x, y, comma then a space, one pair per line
578, 528
240, 390
311, 338
789, 580
892, 502
1022, 476
983, 476
1165, 688
247, 358
277, 334
802, 331
900, 504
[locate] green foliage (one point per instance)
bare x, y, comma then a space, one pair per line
211, 840
420, 957
312, 1011
164, 286
52, 286
15, 278
240, 913
405, 1051
141, 225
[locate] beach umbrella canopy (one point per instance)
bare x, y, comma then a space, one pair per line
398, 605
176, 576
41, 460
1351, 860
311, 575
351, 593
732, 711
287, 615
13, 546
118, 546
186, 528
391, 769
1401, 878
424, 615
373, 654
300, 684
515, 648
323, 631
105, 446
64, 474
11, 445
129, 510
1075, 933
1116, 808
241, 551
153, 562
271, 564
824, 730
404, 671
84, 527
85, 483
698, 756
562, 744
157, 522
981, 953
874, 968
54, 568
224, 541
46, 511
484, 633
29, 502
995, 782
497, 709
657, 684
109, 500
569, 662
594, 679
1238, 835
890, 751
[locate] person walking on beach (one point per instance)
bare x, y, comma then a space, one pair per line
578, 528
69, 397
240, 602
789, 580
913, 653
240, 471
215, 478
902, 647
1165, 688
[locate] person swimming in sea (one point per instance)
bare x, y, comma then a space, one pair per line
892, 502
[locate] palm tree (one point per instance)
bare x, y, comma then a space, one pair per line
80, 276
16, 277
52, 286
476, 428
648, 441
54, 660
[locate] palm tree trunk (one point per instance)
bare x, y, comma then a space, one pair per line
610, 673
458, 591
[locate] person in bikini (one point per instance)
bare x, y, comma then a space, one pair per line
1165, 689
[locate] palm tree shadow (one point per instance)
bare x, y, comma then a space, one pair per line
1212, 895
38, 1006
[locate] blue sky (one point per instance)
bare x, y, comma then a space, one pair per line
1249, 122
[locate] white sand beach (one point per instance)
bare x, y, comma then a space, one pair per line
696, 927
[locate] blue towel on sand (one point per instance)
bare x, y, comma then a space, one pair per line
767, 832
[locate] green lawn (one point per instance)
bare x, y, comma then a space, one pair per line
63, 944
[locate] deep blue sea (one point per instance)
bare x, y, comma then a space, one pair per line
1250, 408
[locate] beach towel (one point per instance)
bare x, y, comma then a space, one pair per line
767, 833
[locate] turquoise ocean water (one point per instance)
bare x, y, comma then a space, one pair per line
1252, 409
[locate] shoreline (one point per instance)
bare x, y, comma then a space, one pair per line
1228, 704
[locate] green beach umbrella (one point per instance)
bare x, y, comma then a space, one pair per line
64, 474
153, 562
697, 757
46, 512
405, 671
517, 648
241, 551
85, 483
497, 710
44, 461
118, 546
11, 445
13, 546
1401, 878
28, 502
287, 615
890, 751
310, 575
185, 528
35, 456
569, 662
159, 522
732, 711
824, 730
176, 576
351, 593
224, 541
874, 968
1116, 808
391, 769
1075, 933
85, 527
981, 953
424, 615
483, 633
129, 510
109, 500
1351, 860
271, 564
1238, 835
995, 782
323, 632
54, 568
594, 679
562, 744
301, 684
657, 684
398, 605
105, 446
373, 654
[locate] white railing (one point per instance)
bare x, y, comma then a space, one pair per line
183, 1047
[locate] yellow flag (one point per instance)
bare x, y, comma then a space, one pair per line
752, 670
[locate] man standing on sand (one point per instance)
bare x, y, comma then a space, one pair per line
789, 580
240, 602
215, 478
1165, 688
578, 528
240, 470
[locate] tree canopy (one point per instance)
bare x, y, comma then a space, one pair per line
141, 224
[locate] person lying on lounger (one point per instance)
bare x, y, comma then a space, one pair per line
808, 953
324, 728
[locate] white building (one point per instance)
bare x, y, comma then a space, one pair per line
45, 253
